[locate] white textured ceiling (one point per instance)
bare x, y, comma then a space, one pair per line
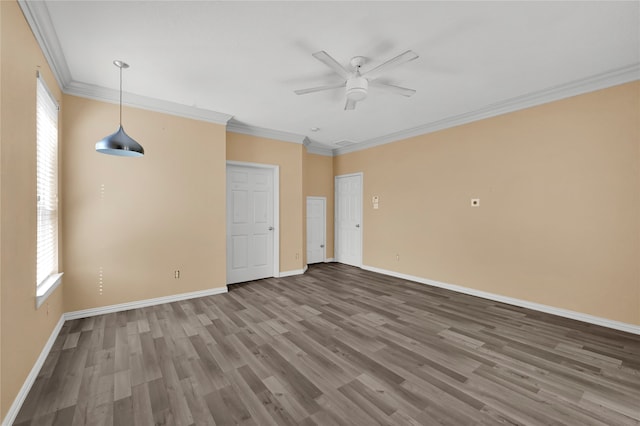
246, 58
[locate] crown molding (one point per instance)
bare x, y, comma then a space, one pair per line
99, 93
37, 15
317, 148
311, 146
577, 87
238, 127
38, 18
573, 88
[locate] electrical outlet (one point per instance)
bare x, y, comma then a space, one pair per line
176, 274
397, 257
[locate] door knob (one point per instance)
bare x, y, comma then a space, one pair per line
271, 228
321, 245
357, 225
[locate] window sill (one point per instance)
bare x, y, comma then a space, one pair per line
46, 288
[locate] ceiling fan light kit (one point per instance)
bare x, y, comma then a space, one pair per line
356, 83
357, 88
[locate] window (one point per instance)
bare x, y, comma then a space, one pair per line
47, 276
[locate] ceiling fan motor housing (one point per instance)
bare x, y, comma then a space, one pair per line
357, 88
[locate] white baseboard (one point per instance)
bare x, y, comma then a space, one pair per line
293, 272
31, 378
329, 260
617, 325
142, 303
33, 374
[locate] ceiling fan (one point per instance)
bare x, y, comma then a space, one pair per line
357, 82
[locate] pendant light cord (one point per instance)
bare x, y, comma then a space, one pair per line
120, 96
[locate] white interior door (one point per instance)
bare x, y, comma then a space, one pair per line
348, 244
316, 234
250, 224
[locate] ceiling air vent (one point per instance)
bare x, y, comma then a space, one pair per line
345, 143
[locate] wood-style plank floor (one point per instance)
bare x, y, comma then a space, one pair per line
336, 346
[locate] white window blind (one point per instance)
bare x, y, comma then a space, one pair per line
47, 189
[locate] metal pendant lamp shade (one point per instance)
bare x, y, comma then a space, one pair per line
119, 143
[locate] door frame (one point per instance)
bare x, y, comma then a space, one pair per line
335, 218
276, 208
324, 225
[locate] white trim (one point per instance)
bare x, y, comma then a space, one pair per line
335, 215
573, 88
102, 94
604, 322
350, 174
37, 15
48, 91
276, 220
276, 207
39, 19
237, 127
14, 409
293, 272
317, 148
35, 370
248, 164
324, 226
330, 260
85, 313
49, 285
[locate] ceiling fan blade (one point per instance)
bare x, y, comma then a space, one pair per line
403, 91
328, 60
407, 56
350, 105
319, 89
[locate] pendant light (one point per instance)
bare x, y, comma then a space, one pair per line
119, 143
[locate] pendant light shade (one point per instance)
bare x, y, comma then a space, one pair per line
119, 143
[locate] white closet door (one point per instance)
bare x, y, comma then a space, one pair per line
249, 223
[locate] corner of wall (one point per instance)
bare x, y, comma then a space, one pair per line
1, 139
559, 219
20, 57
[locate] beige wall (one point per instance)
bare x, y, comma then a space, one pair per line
559, 215
137, 220
318, 182
559, 221
288, 156
24, 330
